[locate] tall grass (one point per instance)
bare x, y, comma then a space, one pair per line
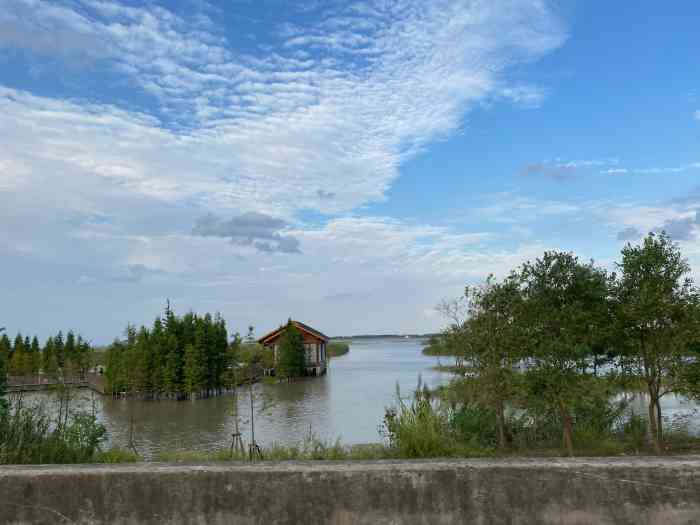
311, 448
421, 428
31, 435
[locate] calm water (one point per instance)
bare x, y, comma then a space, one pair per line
347, 403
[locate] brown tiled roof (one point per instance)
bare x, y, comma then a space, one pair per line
301, 326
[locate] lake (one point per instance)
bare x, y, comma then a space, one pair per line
347, 403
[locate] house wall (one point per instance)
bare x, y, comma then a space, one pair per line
314, 349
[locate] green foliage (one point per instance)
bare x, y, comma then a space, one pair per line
29, 435
26, 357
311, 448
337, 348
492, 340
291, 361
117, 455
475, 425
656, 313
565, 310
3, 384
688, 377
634, 432
419, 429
530, 349
253, 353
437, 346
179, 357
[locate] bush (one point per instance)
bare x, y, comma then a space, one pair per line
117, 455
29, 435
597, 418
475, 425
436, 346
633, 433
420, 429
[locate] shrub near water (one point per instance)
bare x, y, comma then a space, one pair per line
29, 435
337, 348
420, 429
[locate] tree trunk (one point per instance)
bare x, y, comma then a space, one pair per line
659, 422
653, 418
568, 428
501, 425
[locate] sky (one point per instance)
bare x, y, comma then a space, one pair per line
346, 163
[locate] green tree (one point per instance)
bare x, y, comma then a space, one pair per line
4, 353
194, 371
5, 347
291, 361
69, 353
231, 377
492, 340
566, 304
59, 351
656, 314
688, 380
115, 380
35, 356
177, 357
49, 362
84, 356
171, 365
19, 357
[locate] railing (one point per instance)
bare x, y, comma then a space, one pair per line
39, 383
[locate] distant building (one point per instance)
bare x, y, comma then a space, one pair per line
314, 346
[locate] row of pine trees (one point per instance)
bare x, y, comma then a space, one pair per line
178, 357
59, 356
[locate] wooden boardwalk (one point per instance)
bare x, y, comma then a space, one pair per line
94, 382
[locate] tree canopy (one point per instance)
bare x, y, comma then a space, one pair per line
291, 360
178, 357
536, 339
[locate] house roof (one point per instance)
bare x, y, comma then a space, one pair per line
301, 326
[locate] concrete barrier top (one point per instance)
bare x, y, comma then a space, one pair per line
513, 491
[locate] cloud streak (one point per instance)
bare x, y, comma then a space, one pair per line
560, 170
654, 170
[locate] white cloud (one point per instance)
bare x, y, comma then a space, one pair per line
633, 221
323, 121
524, 95
663, 170
274, 125
654, 170
514, 208
696, 115
563, 170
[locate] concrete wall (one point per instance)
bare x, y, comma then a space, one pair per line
625, 491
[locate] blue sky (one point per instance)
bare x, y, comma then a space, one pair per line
349, 164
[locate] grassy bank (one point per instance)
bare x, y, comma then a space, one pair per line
317, 450
337, 348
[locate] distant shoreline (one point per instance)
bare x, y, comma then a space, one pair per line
381, 336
